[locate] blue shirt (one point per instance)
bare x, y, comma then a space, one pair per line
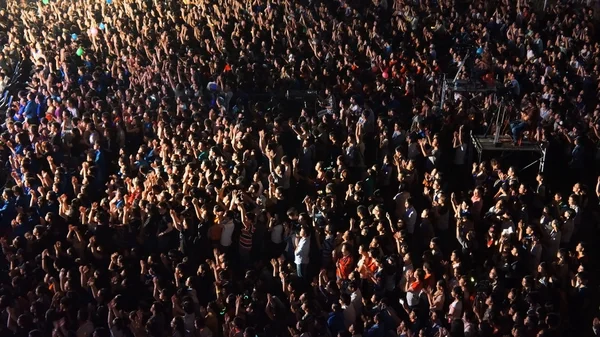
335, 323
31, 109
19, 150
375, 331
100, 162
7, 212
19, 114
84, 79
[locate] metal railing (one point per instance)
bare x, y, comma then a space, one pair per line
6, 97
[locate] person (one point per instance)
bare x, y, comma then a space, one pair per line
247, 230
302, 252
345, 264
225, 222
456, 307
335, 321
329, 104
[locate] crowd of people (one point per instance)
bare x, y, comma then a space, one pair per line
152, 191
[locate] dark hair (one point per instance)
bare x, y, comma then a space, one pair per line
35, 333
458, 291
101, 332
188, 307
249, 332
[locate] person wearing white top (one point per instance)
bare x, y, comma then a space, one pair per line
302, 252
276, 246
276, 232
456, 307
545, 112
530, 53
349, 310
3, 83
73, 111
356, 298
227, 234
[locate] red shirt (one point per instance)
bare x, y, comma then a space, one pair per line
345, 265
429, 281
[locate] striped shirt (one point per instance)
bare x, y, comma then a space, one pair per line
246, 237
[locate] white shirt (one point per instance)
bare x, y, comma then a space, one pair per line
413, 298
349, 315
455, 311
356, 299
574, 64
355, 108
544, 113
530, 54
507, 227
93, 137
74, 112
228, 228
3, 83
277, 234
302, 251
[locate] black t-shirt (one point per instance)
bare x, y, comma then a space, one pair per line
104, 234
280, 208
150, 226
204, 286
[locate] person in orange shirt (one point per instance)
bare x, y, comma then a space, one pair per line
429, 278
345, 264
366, 265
